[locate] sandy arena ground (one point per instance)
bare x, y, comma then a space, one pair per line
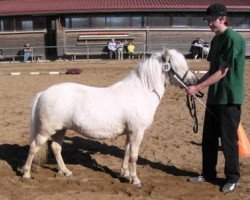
169, 154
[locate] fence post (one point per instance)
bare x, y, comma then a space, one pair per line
32, 54
144, 51
87, 51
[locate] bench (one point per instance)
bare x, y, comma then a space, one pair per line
74, 55
13, 58
138, 55
106, 36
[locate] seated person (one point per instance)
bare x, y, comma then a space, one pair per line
27, 52
206, 49
196, 48
120, 49
112, 48
131, 50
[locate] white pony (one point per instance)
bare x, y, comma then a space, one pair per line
126, 107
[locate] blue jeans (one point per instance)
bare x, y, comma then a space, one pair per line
26, 56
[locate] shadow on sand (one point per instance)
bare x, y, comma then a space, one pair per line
79, 151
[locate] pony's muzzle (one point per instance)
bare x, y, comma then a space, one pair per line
193, 81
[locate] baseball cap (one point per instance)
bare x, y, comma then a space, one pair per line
214, 11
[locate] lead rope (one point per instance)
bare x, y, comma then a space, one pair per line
191, 104
192, 109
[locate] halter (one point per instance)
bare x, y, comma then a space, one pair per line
167, 67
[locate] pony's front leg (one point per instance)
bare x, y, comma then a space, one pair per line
135, 142
125, 162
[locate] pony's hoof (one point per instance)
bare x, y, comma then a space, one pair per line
26, 176
25, 172
60, 172
139, 185
69, 173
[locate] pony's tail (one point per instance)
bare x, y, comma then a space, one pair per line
42, 155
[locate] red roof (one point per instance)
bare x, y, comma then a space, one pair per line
22, 7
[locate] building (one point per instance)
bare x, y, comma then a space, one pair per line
78, 27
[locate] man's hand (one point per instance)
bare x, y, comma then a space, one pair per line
193, 90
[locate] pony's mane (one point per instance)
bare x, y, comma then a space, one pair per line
150, 72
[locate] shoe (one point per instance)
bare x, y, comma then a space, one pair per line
197, 179
229, 187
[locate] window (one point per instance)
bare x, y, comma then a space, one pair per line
29, 23
136, 21
97, 22
118, 22
241, 22
6, 24
152, 20
67, 22
197, 22
79, 22
24, 24
180, 21
53, 25
159, 21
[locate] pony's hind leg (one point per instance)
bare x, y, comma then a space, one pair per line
35, 145
125, 162
56, 146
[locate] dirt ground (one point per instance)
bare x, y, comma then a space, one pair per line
170, 152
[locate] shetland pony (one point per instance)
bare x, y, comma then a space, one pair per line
126, 107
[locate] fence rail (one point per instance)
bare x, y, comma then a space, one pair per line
89, 51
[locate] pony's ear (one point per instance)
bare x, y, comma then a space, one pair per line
166, 54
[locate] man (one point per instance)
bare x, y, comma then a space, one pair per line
225, 80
